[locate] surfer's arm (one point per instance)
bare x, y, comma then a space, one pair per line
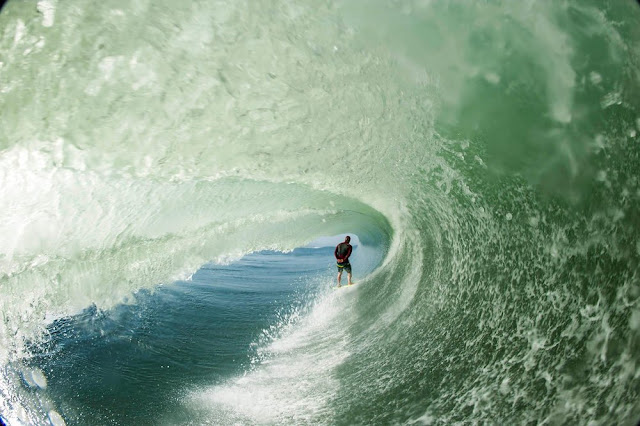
346, 257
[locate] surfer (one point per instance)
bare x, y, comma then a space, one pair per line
342, 253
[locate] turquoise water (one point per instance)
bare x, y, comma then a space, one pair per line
139, 363
485, 154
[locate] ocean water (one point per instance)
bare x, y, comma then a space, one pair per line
144, 362
166, 170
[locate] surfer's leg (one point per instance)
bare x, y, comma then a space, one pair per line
339, 277
348, 269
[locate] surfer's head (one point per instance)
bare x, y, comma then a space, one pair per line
347, 239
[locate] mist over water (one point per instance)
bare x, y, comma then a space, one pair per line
486, 155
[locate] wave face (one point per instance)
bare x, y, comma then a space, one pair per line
491, 149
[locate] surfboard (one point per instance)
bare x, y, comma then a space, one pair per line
343, 286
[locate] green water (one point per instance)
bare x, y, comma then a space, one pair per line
494, 144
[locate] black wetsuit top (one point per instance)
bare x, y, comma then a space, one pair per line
343, 251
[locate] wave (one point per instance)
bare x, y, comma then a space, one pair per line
489, 149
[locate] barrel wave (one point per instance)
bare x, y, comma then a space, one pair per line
487, 154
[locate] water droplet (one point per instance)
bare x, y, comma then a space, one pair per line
492, 78
56, 419
634, 321
39, 378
